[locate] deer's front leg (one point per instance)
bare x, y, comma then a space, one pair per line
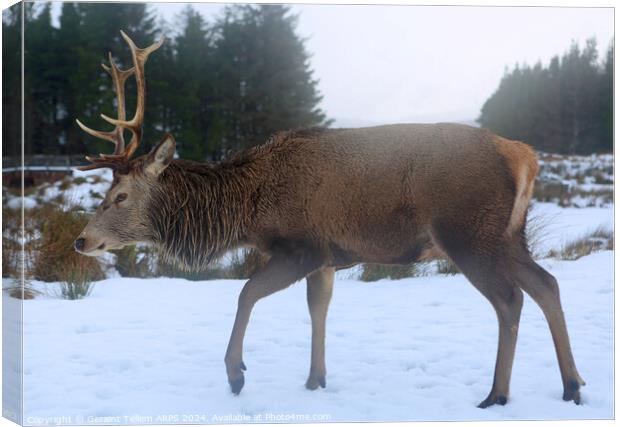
279, 272
320, 286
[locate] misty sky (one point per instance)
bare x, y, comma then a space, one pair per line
386, 64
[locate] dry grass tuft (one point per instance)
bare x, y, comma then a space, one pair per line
21, 292
537, 232
447, 267
598, 240
11, 242
374, 272
57, 261
134, 261
243, 265
65, 184
81, 180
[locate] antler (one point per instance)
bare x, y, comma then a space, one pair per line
122, 154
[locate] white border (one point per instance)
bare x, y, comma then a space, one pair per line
502, 3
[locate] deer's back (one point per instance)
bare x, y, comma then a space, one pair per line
378, 191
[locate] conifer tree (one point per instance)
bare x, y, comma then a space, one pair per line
11, 81
193, 90
566, 107
264, 82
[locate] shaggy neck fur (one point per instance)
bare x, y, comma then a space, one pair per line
199, 211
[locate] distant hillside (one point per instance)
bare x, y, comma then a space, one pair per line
341, 122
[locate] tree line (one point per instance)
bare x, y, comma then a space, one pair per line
216, 86
565, 107
229, 83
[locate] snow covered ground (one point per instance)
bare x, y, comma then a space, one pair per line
412, 349
563, 225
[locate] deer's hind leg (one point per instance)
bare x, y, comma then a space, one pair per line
490, 271
507, 300
320, 285
544, 290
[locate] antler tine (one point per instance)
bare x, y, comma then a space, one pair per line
122, 154
108, 136
96, 163
116, 136
119, 77
139, 57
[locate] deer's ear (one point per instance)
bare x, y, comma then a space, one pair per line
161, 156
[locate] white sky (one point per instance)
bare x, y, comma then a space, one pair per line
381, 64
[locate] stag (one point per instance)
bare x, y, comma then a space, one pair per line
317, 200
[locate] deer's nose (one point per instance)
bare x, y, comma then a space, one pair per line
79, 244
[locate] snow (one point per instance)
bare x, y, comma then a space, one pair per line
562, 225
104, 173
588, 180
16, 203
411, 349
87, 192
12, 362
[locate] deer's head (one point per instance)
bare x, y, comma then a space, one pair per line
122, 217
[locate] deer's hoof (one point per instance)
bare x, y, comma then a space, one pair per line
234, 371
315, 382
493, 399
236, 385
571, 391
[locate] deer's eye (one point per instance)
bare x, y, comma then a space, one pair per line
120, 197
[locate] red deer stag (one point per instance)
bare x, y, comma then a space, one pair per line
317, 200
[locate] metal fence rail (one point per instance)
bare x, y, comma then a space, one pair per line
36, 169
49, 162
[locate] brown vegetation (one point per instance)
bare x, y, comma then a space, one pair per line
57, 261
598, 240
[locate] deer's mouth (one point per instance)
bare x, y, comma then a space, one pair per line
89, 247
99, 250
94, 252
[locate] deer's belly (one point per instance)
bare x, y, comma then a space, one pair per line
389, 248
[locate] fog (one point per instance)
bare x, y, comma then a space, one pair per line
385, 64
